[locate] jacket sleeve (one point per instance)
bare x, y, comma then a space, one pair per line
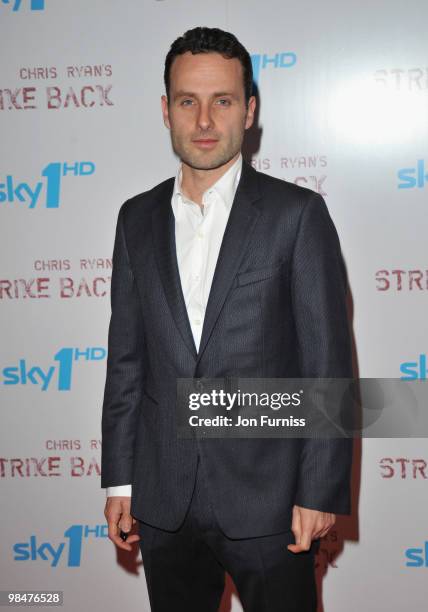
125, 368
324, 342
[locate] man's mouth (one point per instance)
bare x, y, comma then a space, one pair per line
205, 143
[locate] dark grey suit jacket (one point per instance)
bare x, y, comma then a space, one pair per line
276, 309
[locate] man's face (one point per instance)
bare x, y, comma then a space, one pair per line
207, 114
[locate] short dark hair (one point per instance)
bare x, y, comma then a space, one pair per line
211, 40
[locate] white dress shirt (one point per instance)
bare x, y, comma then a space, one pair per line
198, 236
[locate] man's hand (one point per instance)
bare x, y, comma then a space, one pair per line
308, 525
117, 513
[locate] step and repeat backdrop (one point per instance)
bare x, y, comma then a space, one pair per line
343, 110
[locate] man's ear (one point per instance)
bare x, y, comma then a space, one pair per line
250, 112
165, 111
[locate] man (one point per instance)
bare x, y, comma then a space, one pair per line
222, 272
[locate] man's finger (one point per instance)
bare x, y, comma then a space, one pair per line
320, 526
296, 525
125, 522
133, 538
113, 534
325, 526
325, 531
303, 544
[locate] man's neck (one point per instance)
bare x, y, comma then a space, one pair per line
195, 182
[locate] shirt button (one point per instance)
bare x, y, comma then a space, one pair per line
200, 234
197, 321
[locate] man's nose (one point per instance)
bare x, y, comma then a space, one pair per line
205, 120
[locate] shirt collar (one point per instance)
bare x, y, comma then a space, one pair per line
225, 187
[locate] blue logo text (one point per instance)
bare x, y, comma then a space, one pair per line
47, 551
417, 557
20, 192
23, 374
413, 177
260, 62
34, 5
415, 370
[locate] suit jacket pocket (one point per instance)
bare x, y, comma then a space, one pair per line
254, 276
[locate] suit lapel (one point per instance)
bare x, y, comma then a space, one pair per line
241, 222
163, 225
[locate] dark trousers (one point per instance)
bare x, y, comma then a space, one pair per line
185, 569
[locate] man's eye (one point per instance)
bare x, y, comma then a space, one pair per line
223, 102
186, 102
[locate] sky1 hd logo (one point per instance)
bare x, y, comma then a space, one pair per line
284, 59
58, 376
70, 551
45, 192
32, 5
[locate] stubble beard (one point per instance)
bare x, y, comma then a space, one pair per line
205, 160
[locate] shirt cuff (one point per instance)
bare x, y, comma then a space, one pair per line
122, 490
